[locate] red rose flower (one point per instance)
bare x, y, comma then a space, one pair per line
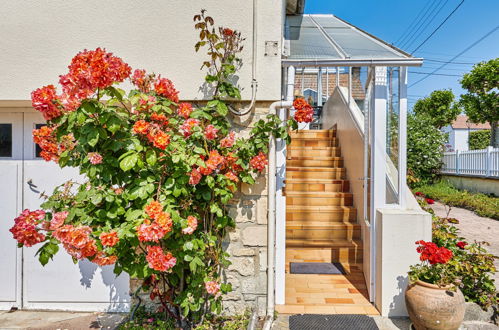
430, 201
461, 244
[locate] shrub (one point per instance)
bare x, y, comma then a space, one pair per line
425, 146
471, 267
479, 139
159, 173
481, 204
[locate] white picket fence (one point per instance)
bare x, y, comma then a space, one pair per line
484, 162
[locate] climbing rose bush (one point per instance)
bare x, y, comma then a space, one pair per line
159, 173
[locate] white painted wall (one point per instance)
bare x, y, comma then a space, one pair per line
458, 137
397, 231
350, 132
39, 38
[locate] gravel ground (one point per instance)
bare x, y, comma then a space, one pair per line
473, 227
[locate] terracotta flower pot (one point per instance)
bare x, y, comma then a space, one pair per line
431, 307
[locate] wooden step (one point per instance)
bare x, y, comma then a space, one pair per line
315, 161
295, 172
318, 185
338, 243
338, 250
319, 199
313, 151
316, 142
346, 255
322, 231
313, 134
320, 213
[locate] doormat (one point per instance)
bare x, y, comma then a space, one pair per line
334, 268
331, 322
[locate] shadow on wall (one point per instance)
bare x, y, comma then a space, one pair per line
119, 296
399, 299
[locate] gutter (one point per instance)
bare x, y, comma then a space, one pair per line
353, 62
271, 228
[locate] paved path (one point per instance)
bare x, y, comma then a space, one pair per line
50, 320
474, 227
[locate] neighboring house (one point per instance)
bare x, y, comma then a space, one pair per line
339, 197
459, 132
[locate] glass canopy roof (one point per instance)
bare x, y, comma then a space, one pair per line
313, 40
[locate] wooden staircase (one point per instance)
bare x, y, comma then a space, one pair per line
321, 227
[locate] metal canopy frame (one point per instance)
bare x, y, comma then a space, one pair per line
326, 40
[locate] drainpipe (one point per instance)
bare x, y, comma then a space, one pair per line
271, 229
272, 219
254, 82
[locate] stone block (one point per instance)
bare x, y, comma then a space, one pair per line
262, 305
254, 285
244, 266
257, 189
242, 252
262, 257
254, 236
261, 211
243, 211
235, 235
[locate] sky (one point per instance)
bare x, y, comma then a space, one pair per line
406, 24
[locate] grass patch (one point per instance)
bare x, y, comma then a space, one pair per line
482, 204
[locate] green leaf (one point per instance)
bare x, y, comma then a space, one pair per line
113, 124
93, 137
151, 157
129, 162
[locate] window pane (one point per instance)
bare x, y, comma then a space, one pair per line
5, 140
37, 147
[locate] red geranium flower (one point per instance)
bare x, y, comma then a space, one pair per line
430, 201
461, 244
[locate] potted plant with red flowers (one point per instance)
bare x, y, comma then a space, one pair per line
433, 299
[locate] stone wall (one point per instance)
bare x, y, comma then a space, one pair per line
247, 243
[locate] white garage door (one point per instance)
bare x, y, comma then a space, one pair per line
24, 283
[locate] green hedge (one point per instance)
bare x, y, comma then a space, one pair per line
481, 204
479, 139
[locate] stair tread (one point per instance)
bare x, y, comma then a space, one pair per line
321, 225
313, 180
306, 208
318, 194
324, 242
315, 158
322, 138
315, 168
311, 148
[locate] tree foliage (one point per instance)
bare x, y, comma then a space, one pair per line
481, 102
478, 140
439, 108
425, 146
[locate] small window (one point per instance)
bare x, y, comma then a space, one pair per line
38, 150
6, 140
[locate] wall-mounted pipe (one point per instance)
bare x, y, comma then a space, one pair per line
272, 219
254, 82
